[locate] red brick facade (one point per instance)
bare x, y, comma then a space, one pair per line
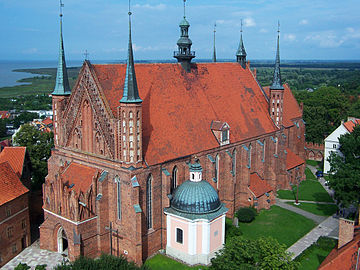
135, 149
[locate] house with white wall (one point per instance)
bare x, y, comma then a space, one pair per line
332, 141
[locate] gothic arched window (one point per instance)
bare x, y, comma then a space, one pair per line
149, 201
173, 183
263, 151
216, 171
233, 163
118, 196
249, 156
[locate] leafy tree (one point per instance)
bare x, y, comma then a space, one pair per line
264, 253
345, 169
2, 128
23, 118
38, 145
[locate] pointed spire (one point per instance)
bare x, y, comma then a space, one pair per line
214, 54
241, 53
62, 87
277, 84
131, 92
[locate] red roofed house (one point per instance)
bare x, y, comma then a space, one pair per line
125, 134
4, 115
332, 141
14, 214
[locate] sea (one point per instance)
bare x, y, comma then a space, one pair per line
10, 78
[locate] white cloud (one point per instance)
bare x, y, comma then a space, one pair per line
249, 22
290, 37
30, 51
220, 21
154, 7
303, 22
263, 30
325, 39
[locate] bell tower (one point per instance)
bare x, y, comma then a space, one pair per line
277, 89
241, 53
130, 114
62, 90
184, 55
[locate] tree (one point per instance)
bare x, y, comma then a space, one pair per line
345, 169
264, 253
38, 145
2, 128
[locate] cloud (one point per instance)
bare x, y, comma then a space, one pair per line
30, 51
263, 30
304, 22
325, 39
249, 22
290, 37
220, 21
154, 7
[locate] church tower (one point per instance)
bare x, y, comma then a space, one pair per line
130, 114
184, 55
62, 89
277, 89
214, 53
241, 53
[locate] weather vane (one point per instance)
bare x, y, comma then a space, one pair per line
129, 8
61, 6
184, 8
278, 26
241, 29
215, 27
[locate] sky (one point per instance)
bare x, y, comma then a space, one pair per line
310, 29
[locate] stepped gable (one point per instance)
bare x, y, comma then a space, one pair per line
10, 184
178, 107
80, 176
293, 160
349, 125
259, 186
291, 107
15, 156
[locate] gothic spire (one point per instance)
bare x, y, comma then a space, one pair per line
131, 92
62, 87
184, 55
241, 53
277, 84
214, 54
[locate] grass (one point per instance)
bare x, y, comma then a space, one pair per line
317, 164
161, 262
285, 226
317, 209
309, 190
313, 256
309, 175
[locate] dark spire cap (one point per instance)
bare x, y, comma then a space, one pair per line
277, 83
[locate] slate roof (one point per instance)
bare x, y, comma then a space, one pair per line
291, 109
292, 160
80, 176
178, 107
15, 156
10, 184
259, 186
349, 125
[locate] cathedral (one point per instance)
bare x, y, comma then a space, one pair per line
142, 148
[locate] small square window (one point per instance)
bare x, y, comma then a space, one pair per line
10, 232
225, 135
334, 146
8, 211
179, 235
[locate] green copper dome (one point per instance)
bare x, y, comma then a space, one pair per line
195, 198
184, 22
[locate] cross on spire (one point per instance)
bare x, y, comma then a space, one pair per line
279, 27
184, 8
61, 6
86, 54
241, 29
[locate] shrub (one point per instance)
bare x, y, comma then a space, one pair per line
22, 266
246, 214
231, 231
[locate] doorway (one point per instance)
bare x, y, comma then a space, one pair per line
62, 241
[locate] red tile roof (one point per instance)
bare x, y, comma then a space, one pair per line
349, 125
79, 175
178, 107
293, 160
47, 121
10, 184
291, 109
258, 186
4, 115
343, 258
15, 156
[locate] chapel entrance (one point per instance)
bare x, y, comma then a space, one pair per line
62, 241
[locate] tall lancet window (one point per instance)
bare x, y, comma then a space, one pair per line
118, 197
233, 163
173, 183
149, 202
263, 151
249, 156
216, 172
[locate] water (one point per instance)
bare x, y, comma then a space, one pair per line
10, 78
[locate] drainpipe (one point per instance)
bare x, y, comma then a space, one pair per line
357, 259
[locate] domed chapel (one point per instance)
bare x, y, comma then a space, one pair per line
129, 136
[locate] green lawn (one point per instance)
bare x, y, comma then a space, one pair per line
314, 163
309, 190
285, 226
161, 262
317, 209
309, 174
312, 257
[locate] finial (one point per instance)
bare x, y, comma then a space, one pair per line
61, 6
215, 27
241, 29
279, 27
129, 8
86, 54
184, 8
